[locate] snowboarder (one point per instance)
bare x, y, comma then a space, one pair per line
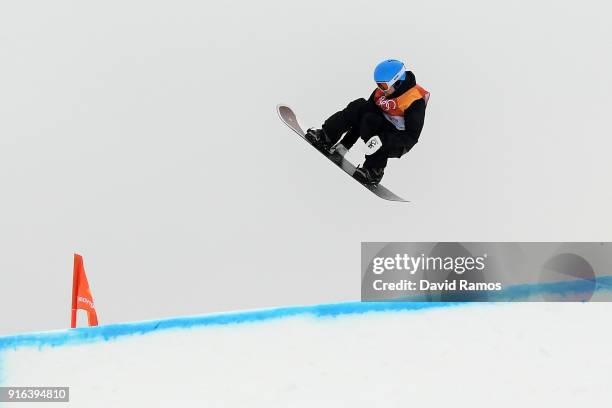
389, 122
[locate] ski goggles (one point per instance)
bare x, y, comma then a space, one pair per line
384, 86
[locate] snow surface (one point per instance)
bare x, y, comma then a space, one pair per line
350, 355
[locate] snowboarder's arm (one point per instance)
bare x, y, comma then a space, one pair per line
414, 118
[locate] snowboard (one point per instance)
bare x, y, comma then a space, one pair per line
288, 117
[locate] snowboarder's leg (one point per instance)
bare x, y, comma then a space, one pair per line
395, 145
339, 123
342, 121
372, 125
379, 148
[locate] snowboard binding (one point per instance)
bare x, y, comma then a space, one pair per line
319, 139
369, 176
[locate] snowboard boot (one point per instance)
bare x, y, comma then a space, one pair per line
369, 176
319, 139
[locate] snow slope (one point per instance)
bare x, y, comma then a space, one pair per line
353, 355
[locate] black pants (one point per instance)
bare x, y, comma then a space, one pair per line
364, 119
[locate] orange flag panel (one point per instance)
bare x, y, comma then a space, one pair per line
81, 294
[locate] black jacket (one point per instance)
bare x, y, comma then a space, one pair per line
414, 116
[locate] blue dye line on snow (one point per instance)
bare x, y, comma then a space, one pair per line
113, 331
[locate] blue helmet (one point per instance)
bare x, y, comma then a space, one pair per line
388, 72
